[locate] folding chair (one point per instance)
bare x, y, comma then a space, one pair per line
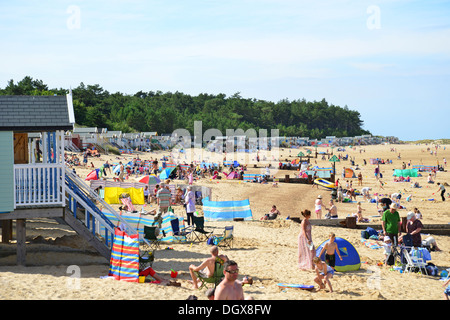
214, 279
177, 232
146, 258
128, 205
198, 197
227, 239
199, 233
151, 235
413, 263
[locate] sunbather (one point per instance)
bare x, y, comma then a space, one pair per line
207, 266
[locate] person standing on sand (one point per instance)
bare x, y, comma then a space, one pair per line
318, 207
441, 190
306, 251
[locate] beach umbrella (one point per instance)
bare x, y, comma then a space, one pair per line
150, 179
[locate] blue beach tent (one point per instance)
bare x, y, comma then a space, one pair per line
350, 257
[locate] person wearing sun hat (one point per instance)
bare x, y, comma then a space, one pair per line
413, 227
391, 223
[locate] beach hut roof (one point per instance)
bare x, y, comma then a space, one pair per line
35, 113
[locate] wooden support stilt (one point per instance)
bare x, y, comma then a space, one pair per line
21, 241
6, 231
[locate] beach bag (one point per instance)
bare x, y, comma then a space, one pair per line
211, 240
371, 232
432, 270
364, 234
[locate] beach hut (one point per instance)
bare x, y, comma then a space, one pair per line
35, 182
350, 256
32, 136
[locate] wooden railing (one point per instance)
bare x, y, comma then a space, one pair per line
39, 184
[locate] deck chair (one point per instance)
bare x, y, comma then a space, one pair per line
216, 277
128, 205
413, 263
151, 235
227, 239
199, 233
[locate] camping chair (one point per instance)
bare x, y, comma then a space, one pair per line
199, 233
151, 235
146, 258
198, 197
412, 264
215, 278
177, 233
227, 239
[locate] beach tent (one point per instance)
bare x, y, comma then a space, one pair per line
226, 210
112, 195
406, 173
124, 262
349, 173
165, 174
232, 175
350, 257
93, 175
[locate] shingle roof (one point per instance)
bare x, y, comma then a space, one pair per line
34, 113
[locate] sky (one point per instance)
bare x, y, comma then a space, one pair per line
389, 60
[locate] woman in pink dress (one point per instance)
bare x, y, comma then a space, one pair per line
306, 251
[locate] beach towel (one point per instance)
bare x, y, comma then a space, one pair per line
124, 263
371, 244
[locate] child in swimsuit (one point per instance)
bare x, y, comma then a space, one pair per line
324, 273
331, 248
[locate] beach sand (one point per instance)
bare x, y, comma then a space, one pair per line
60, 265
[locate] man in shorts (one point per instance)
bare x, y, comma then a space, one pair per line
163, 197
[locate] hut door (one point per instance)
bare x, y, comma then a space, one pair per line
20, 148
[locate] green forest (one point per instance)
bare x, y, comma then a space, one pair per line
165, 112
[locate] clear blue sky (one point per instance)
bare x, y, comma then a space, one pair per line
390, 60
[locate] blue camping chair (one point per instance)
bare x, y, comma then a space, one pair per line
226, 240
177, 232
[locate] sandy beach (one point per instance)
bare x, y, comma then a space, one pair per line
61, 266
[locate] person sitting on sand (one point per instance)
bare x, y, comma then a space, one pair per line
324, 273
358, 214
207, 266
332, 211
150, 272
331, 248
272, 215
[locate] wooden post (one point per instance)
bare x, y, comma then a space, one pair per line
21, 242
6, 231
